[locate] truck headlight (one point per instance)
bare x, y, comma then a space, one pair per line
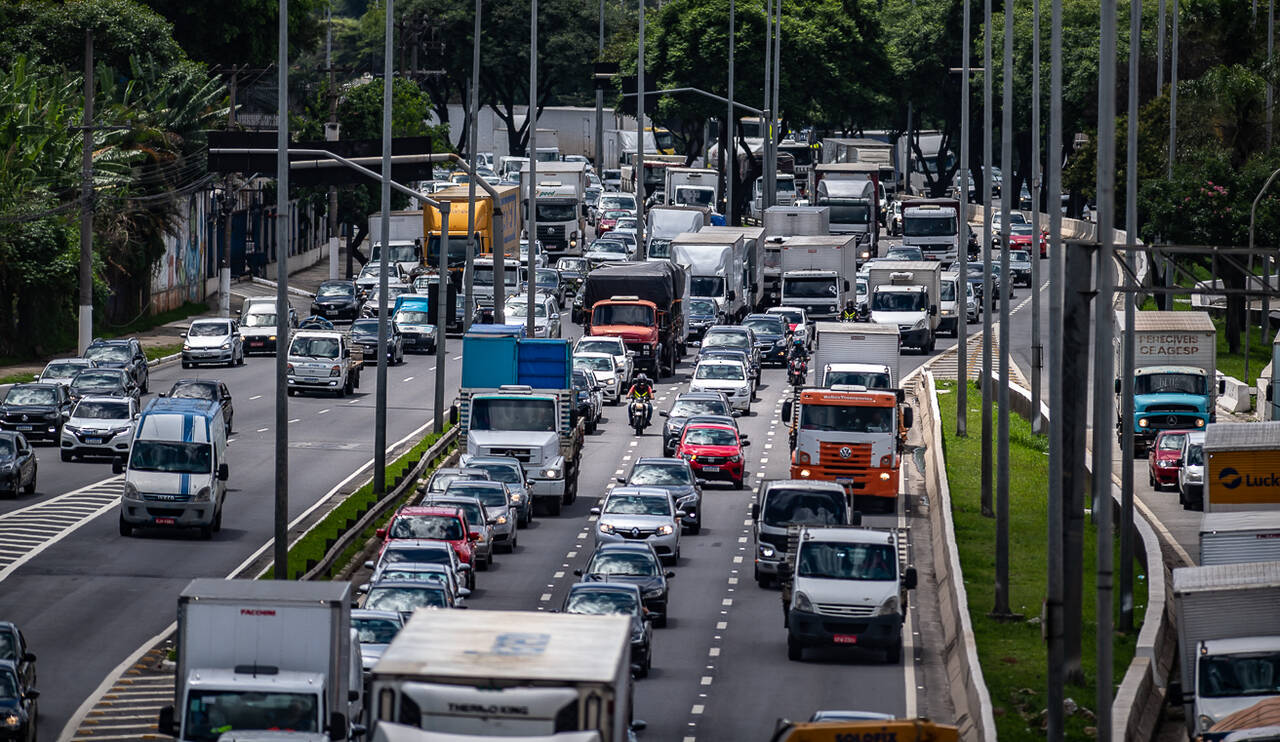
1199, 422
551, 473
1206, 723
767, 551
801, 602
888, 608
1142, 422
130, 491
202, 495
335, 371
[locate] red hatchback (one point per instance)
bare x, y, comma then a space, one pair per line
436, 523
1162, 458
714, 451
1020, 238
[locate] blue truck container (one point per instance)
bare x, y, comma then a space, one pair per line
489, 362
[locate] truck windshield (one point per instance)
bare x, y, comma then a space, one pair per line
842, 561
397, 254
706, 286
439, 527
1229, 675
552, 212
484, 276
622, 314
846, 419
847, 211
212, 713
1169, 384
918, 226
659, 248
695, 196
313, 347
457, 250
513, 414
785, 507
809, 288
173, 457
869, 379
897, 301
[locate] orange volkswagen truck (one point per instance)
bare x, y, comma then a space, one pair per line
852, 436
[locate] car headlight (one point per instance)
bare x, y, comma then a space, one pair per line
735, 459
653, 593
666, 530
335, 371
919, 325
767, 551
801, 602
69, 428
501, 520
226, 345
888, 608
202, 495
606, 527
551, 473
186, 347
11, 720
516, 497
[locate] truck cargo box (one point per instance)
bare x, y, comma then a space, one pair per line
1242, 466
1233, 538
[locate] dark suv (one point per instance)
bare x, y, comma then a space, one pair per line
36, 410
687, 404
771, 337
126, 354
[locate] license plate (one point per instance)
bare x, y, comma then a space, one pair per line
165, 521
711, 468
255, 342
331, 312
93, 441
845, 638
844, 480
26, 427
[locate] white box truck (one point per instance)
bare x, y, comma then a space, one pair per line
753, 271
817, 273
561, 191
905, 293
861, 354
714, 262
1175, 372
494, 674
1235, 537
1228, 619
265, 655
933, 225
787, 221
664, 223
690, 186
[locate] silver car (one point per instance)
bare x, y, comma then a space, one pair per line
546, 314
418, 571
374, 630
213, 341
1191, 473
62, 370
640, 514
496, 499
99, 426
506, 470
605, 369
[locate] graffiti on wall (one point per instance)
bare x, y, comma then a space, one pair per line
179, 277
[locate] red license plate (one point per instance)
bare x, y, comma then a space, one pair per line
165, 521
845, 638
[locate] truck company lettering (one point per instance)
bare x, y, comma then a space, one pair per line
867, 737
257, 612
488, 710
1172, 349
1230, 478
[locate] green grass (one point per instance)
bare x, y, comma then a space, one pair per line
1013, 655
18, 378
311, 547
157, 352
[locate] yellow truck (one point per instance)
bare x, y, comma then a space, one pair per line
508, 241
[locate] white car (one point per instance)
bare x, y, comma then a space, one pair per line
628, 236
546, 314
62, 370
623, 358
213, 341
603, 367
797, 320
607, 250
540, 261
99, 426
726, 376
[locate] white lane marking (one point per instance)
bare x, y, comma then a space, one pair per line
737, 560
263, 430
742, 539
698, 709
733, 580
908, 646
706, 680
457, 358
726, 603
89, 502
722, 625
256, 396
713, 652
294, 420
545, 597
571, 555
407, 379
557, 575
323, 412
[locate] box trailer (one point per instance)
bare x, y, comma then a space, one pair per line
1175, 372
839, 344
1242, 467
817, 273
1232, 538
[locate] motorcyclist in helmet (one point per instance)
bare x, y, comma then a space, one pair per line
642, 389
850, 313
798, 349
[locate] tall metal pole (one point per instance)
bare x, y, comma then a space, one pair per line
531, 120
1056, 677
641, 249
281, 543
1266, 259
380, 395
962, 255
468, 271
333, 119
1037, 348
768, 187
731, 150
84, 335
1271, 42
442, 316
1103, 355
600, 100
1173, 95
1001, 607
775, 129
1127, 349
987, 123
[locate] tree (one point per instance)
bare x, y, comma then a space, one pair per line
239, 32
52, 33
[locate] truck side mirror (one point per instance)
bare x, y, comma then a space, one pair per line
909, 578
224, 472
337, 726
855, 519
786, 411
933, 310
1269, 388
846, 285
755, 511
908, 417
1222, 387
733, 296
165, 724
1173, 694
1117, 386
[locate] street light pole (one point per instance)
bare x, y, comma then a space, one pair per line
531, 121
380, 396
280, 531
1127, 346
1037, 349
962, 255
468, 270
766, 123
600, 100
987, 123
640, 246
85, 331
731, 149
1001, 608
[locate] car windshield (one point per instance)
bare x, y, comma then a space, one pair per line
61, 370
1243, 674
413, 573
194, 390
616, 563
105, 380
601, 602
548, 277
6, 448
846, 419
948, 291
898, 301
495, 413
869, 379
413, 317
9, 681
609, 246
31, 395
786, 507
501, 473
484, 276
1169, 384
1019, 229
518, 307
489, 495
706, 285
441, 481
844, 561
660, 474
209, 329
172, 457
102, 411
593, 364
726, 340
763, 326
213, 713
416, 555
1171, 441
334, 289
710, 437
637, 505
688, 407
438, 527
1019, 256
108, 353
572, 264
725, 371
406, 598
615, 201
602, 345
701, 307
920, 226
374, 630
314, 347
260, 319
365, 327
622, 314
1195, 456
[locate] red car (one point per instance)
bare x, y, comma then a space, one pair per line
609, 220
714, 451
1162, 458
1020, 239
437, 523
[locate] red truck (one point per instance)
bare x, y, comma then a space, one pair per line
642, 303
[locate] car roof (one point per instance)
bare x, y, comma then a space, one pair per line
47, 385
623, 546
420, 584
417, 543
638, 490
426, 510
726, 420
593, 354
719, 362
659, 460
606, 338
70, 361
210, 320
198, 382
481, 483
505, 460
808, 484
103, 398
113, 341
605, 587
700, 395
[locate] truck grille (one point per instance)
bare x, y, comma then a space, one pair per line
777, 541
553, 232
523, 455
1166, 421
166, 498
857, 460
640, 348
840, 609
1156, 409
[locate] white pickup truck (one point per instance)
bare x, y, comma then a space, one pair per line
323, 361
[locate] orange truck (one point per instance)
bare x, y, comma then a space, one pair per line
852, 436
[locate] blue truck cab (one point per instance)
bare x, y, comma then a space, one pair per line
1175, 383
175, 475
414, 316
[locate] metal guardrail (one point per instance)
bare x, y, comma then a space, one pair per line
334, 550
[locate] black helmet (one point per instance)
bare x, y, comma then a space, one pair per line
641, 378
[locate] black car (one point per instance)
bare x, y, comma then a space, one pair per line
583, 386
126, 354
636, 564
733, 337
674, 476
102, 382
689, 403
37, 410
336, 300
616, 598
771, 337
974, 278
17, 705
573, 271
364, 333
13, 647
703, 313
17, 465
207, 389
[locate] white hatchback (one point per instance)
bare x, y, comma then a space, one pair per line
603, 367
726, 376
624, 359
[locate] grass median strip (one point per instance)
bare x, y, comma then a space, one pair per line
1013, 655
311, 547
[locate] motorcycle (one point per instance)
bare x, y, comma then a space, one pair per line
638, 414
797, 369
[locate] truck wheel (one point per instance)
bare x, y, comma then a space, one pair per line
217, 521
762, 579
795, 652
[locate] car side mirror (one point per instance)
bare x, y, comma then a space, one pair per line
743, 442
736, 413
595, 511
1117, 385
1177, 461
381, 533
224, 472
337, 726
1222, 387
755, 511
165, 724
31, 694
669, 574
909, 578
855, 518
908, 417
681, 514
362, 588
701, 482
117, 466
577, 573
162, 395
29, 657
846, 285
464, 567
639, 725
182, 334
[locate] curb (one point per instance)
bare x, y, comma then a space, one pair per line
290, 289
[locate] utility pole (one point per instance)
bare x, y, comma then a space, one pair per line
224, 266
380, 398
775, 129
641, 250
282, 297
1160, 33
85, 334
531, 121
1127, 349
599, 99
1173, 97
1037, 349
332, 130
731, 148
987, 123
766, 121
962, 255
469, 268
1001, 609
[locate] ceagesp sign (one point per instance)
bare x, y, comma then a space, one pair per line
1242, 478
